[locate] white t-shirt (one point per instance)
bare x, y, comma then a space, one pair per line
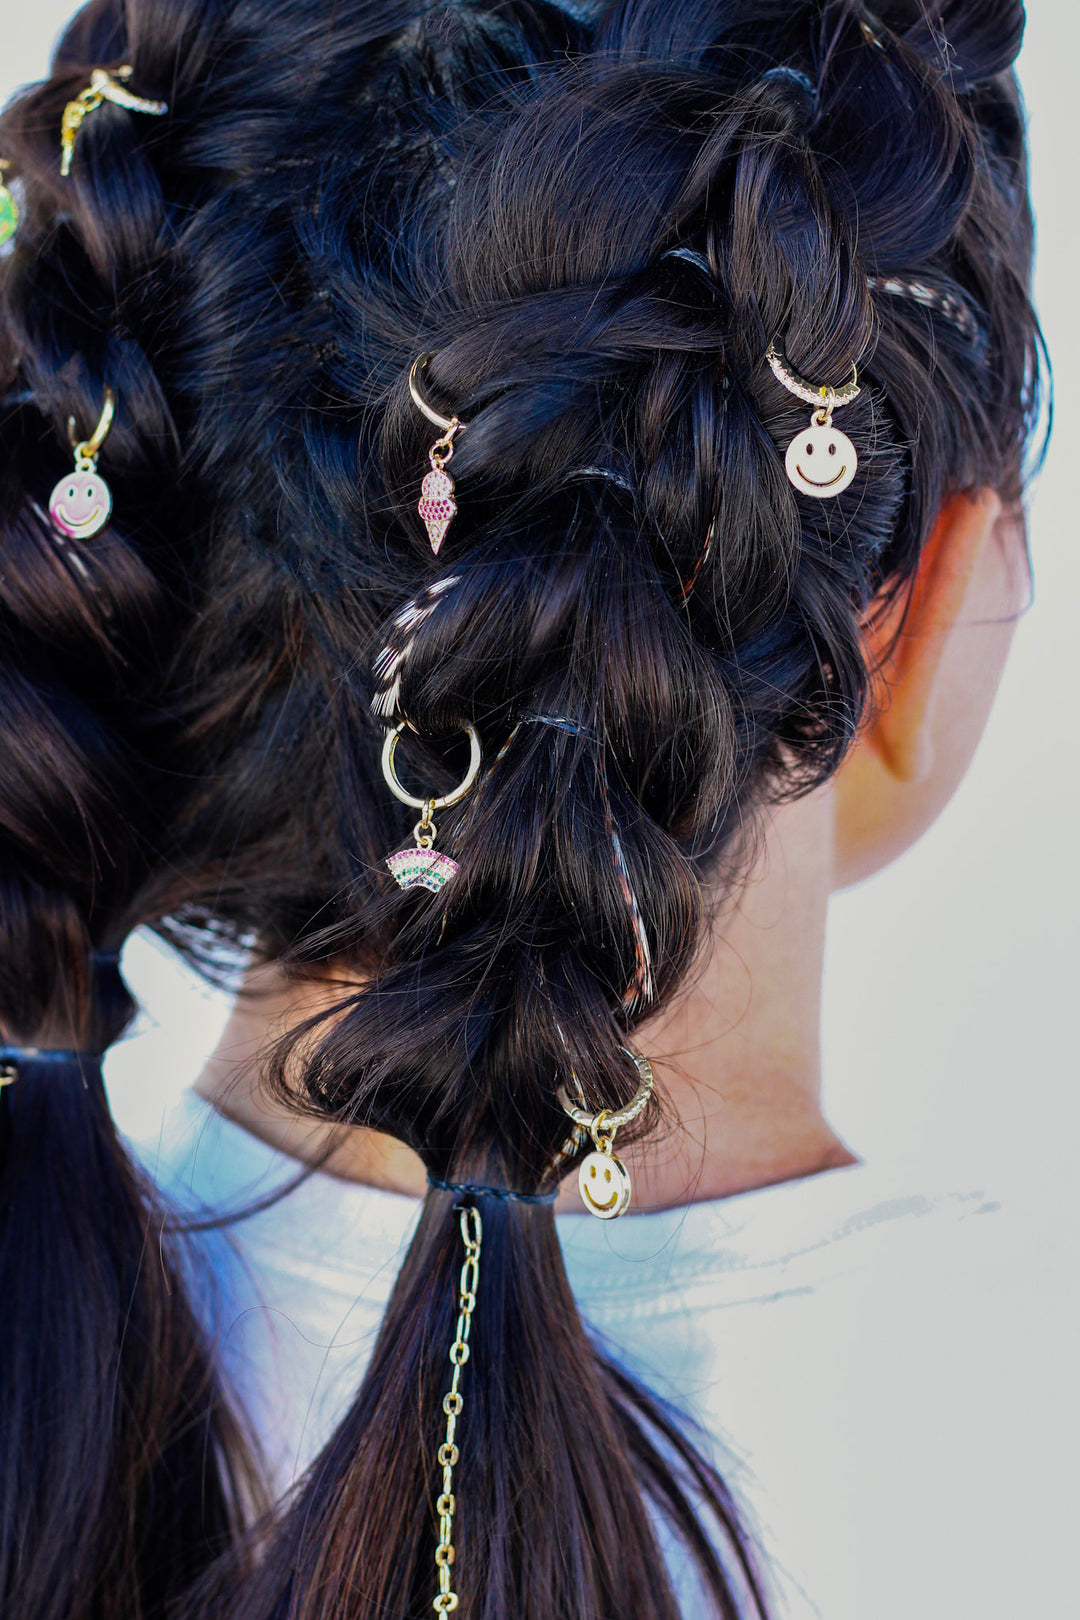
886, 1372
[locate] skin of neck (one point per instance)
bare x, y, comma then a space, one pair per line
737, 1053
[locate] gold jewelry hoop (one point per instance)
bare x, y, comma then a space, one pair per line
427, 804
449, 424
610, 1120
104, 86
824, 397
87, 450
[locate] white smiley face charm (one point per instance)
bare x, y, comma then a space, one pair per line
80, 505
821, 461
604, 1185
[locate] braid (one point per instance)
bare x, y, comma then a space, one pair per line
655, 638
124, 1473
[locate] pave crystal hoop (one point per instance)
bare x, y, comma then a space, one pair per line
424, 865
820, 461
437, 507
103, 86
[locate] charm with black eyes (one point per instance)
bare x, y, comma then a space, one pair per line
603, 1180
820, 461
604, 1184
81, 504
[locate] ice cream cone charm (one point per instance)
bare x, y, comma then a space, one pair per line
437, 506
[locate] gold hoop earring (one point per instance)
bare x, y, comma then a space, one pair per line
437, 507
821, 461
81, 504
424, 865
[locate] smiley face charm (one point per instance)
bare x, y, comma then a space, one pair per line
604, 1184
80, 506
821, 461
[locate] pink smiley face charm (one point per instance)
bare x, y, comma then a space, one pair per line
80, 505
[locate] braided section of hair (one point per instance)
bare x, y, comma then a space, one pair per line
599, 246
123, 1472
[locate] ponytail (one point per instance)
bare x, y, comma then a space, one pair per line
654, 638
118, 1481
123, 1474
562, 1465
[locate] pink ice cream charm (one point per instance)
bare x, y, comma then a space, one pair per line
437, 507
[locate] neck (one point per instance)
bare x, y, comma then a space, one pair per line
737, 1055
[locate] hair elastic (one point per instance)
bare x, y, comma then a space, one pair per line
949, 307
505, 1195
14, 1059
605, 474
560, 722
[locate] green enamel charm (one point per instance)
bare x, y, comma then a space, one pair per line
9, 216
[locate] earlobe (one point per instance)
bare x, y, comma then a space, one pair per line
926, 702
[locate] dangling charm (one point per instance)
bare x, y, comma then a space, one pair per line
424, 865
9, 208
603, 1179
437, 507
821, 461
81, 504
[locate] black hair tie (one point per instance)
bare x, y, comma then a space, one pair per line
18, 1060
504, 1194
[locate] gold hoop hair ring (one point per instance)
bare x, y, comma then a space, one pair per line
821, 461
424, 865
603, 1180
81, 504
103, 86
436, 506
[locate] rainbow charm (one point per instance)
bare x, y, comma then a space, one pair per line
425, 867
422, 868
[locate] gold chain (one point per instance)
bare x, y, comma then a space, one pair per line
472, 1232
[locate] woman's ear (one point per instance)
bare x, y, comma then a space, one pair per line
938, 654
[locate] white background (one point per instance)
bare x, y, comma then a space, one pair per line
950, 991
